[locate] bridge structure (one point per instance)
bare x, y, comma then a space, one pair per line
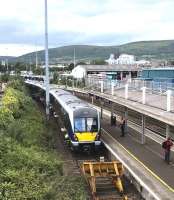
140, 153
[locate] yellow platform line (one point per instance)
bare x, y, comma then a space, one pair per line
149, 170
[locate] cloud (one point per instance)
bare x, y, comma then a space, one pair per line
101, 22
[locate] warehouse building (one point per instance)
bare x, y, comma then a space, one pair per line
117, 72
159, 74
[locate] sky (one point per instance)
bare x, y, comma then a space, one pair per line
92, 22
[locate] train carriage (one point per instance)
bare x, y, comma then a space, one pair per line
82, 121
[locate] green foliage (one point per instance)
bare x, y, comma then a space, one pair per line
15, 100
4, 78
74, 189
55, 78
71, 66
6, 117
19, 66
17, 83
38, 71
98, 62
29, 167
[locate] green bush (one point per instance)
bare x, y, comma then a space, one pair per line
70, 188
6, 117
17, 84
29, 167
4, 78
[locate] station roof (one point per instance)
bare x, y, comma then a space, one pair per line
109, 68
160, 68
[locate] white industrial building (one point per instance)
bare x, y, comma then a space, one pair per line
125, 59
119, 72
79, 72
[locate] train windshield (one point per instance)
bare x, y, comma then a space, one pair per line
86, 125
91, 124
80, 125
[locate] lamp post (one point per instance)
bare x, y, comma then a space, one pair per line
36, 58
74, 57
7, 60
46, 63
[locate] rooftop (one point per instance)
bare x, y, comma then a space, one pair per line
161, 68
111, 67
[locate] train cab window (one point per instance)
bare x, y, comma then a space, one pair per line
79, 125
86, 125
91, 124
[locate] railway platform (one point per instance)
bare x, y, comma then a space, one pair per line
145, 160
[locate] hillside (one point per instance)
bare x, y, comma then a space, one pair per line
7, 57
163, 49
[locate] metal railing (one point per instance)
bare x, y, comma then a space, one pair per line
152, 93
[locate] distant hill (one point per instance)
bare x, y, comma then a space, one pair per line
7, 57
163, 49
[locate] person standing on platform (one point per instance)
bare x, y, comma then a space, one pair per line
122, 126
167, 146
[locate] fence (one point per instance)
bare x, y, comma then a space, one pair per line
155, 94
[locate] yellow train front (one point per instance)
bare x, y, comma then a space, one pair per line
86, 129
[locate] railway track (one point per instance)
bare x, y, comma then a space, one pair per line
73, 162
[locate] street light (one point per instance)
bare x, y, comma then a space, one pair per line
46, 63
7, 60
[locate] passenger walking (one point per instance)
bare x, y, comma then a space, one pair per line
122, 126
167, 146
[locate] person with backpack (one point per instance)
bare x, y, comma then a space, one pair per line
166, 145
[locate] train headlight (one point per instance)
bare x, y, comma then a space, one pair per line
97, 137
76, 138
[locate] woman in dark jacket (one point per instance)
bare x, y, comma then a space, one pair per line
167, 146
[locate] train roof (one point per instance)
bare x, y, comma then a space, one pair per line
68, 100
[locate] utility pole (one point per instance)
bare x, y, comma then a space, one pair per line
7, 64
36, 58
74, 57
30, 63
46, 63
7, 60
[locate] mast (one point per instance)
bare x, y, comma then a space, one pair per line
46, 63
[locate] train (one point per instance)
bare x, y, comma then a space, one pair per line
81, 121
33, 77
82, 128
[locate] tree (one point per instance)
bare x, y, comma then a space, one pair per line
81, 63
71, 67
38, 71
2, 68
4, 78
98, 62
19, 67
